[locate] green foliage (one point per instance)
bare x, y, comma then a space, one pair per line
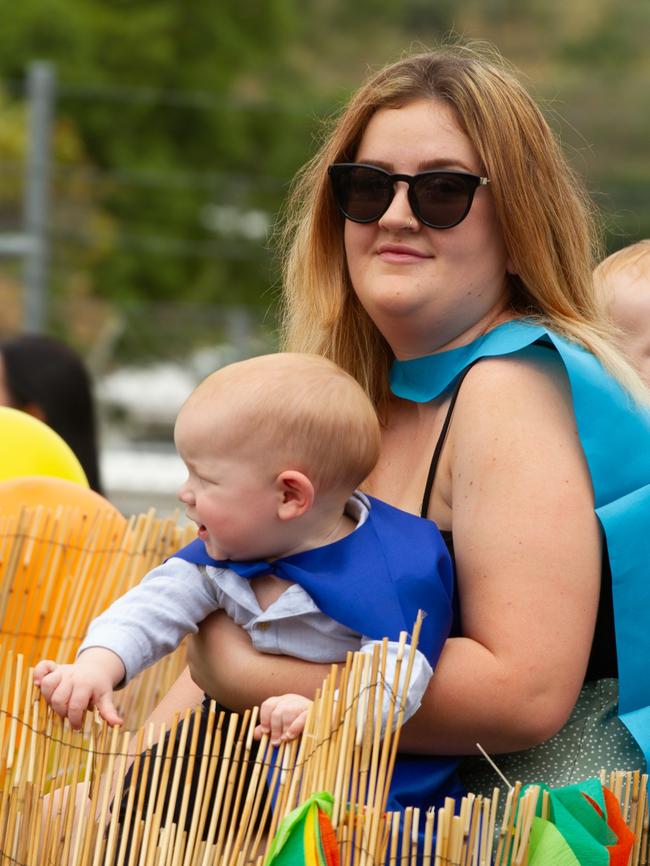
170, 100
180, 124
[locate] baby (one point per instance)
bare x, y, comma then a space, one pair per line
274, 448
623, 282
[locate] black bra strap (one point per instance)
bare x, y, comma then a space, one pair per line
424, 508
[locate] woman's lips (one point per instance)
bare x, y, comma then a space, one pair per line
400, 253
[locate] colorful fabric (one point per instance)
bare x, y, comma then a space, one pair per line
305, 836
615, 437
585, 828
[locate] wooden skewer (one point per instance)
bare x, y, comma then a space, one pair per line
224, 767
637, 828
235, 824
150, 824
200, 795
113, 825
130, 799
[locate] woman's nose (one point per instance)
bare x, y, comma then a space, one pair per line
399, 215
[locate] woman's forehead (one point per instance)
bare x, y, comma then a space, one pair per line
424, 134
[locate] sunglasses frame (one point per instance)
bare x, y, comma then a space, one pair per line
471, 181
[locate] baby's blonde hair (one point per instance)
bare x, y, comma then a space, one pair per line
635, 256
295, 411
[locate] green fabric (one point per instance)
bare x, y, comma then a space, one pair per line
580, 824
287, 846
547, 846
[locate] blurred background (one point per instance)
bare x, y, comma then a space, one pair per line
146, 149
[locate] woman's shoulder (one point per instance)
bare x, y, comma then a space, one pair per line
531, 376
514, 409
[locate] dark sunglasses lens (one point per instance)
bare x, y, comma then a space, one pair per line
442, 199
363, 194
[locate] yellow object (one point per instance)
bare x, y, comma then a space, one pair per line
30, 447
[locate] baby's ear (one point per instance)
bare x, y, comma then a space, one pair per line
296, 494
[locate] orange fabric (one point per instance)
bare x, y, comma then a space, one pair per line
328, 840
43, 611
619, 854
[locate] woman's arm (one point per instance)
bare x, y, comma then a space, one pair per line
184, 693
528, 557
224, 663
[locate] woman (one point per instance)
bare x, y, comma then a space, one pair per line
45, 378
459, 234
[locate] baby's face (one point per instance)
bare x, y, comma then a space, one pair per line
630, 309
230, 497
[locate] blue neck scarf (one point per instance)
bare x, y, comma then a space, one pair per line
615, 436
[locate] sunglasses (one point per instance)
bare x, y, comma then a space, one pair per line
439, 199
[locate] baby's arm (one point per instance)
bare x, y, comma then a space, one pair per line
134, 632
420, 676
152, 618
72, 689
283, 718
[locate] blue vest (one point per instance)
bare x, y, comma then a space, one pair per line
374, 581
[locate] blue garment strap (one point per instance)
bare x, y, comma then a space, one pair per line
615, 436
374, 580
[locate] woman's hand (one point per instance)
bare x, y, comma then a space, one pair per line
225, 665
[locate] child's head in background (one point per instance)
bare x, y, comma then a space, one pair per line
623, 282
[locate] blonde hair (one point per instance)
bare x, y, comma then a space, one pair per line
294, 410
634, 256
544, 215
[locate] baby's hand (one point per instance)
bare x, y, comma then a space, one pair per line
72, 689
283, 718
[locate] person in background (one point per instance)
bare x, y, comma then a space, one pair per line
44, 377
623, 282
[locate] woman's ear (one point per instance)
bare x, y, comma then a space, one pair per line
296, 494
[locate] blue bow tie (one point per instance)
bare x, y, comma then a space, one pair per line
250, 568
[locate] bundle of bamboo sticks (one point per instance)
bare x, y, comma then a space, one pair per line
206, 791
227, 794
59, 568
219, 796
